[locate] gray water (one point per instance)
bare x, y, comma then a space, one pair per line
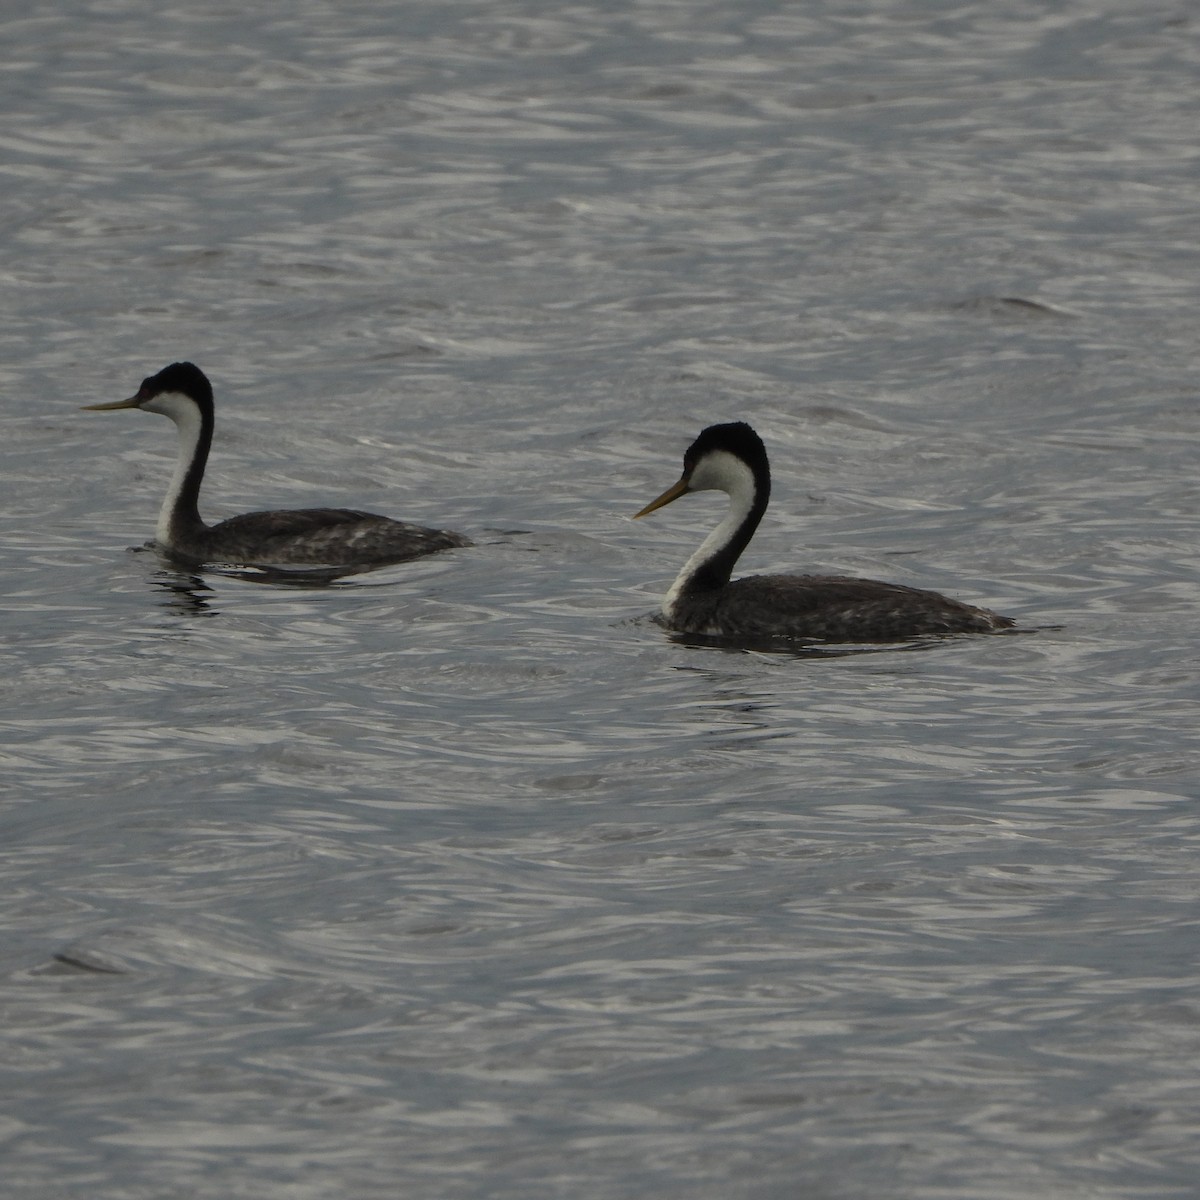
461, 879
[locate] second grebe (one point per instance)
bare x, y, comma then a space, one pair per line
332, 537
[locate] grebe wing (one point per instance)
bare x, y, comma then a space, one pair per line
324, 535
294, 522
838, 608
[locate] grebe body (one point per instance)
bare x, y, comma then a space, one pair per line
328, 537
704, 601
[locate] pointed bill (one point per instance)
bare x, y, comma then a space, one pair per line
672, 493
132, 402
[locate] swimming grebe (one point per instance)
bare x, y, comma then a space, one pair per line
829, 608
318, 536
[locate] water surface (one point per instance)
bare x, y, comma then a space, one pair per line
461, 878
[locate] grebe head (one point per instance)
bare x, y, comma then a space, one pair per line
728, 458
174, 391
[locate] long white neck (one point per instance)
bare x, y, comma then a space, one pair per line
713, 562
179, 513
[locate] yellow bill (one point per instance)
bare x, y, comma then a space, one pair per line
672, 493
132, 402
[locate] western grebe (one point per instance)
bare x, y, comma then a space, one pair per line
319, 536
731, 458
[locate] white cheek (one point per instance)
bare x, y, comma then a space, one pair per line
170, 404
721, 471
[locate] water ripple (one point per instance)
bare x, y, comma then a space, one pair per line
464, 878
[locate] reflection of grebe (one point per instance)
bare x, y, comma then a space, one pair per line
327, 536
702, 600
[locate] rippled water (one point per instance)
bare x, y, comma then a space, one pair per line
461, 879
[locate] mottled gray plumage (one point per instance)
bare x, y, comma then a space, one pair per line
327, 537
827, 608
332, 537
